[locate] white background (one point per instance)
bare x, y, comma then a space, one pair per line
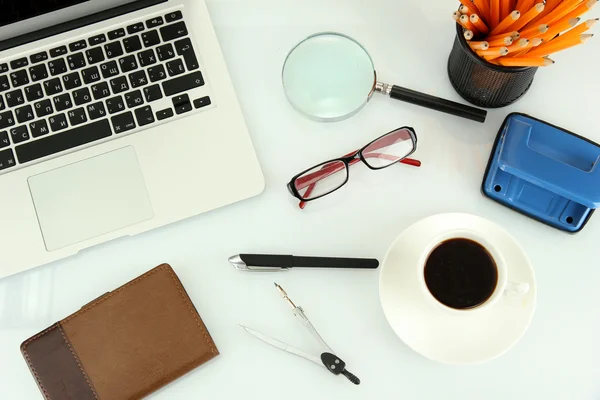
558, 358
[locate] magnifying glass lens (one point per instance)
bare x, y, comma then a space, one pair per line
328, 77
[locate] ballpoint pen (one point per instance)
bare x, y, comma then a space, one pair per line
272, 263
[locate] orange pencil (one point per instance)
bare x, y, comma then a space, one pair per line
533, 43
468, 35
507, 22
456, 15
479, 45
525, 62
464, 21
494, 14
492, 53
464, 10
484, 9
558, 45
550, 6
559, 27
507, 41
469, 4
479, 24
505, 9
524, 5
512, 35
579, 29
581, 9
535, 31
559, 12
528, 17
518, 46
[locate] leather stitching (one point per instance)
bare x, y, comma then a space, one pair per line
24, 350
78, 363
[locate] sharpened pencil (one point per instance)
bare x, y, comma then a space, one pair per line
506, 23
558, 45
479, 24
527, 17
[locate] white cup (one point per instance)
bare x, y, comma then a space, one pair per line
504, 287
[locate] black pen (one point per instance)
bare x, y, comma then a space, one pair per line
266, 262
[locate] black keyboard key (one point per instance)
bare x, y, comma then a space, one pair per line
6, 119
19, 63
4, 85
34, 92
43, 108
123, 122
109, 69
154, 22
82, 96
174, 16
38, 72
77, 116
184, 48
19, 78
153, 93
24, 114
165, 52
202, 102
4, 140
38, 57
19, 134
62, 102
134, 99
100, 90
78, 45
72, 80
115, 105
63, 141
119, 85
113, 49
57, 66
128, 63
175, 67
135, 28
182, 104
59, 51
150, 38
132, 44
157, 73
90, 75
96, 110
15, 98
117, 33
53, 86
2, 105
7, 159
38, 128
94, 55
138, 78
98, 39
76, 61
3, 68
147, 57
144, 115
57, 123
173, 31
183, 83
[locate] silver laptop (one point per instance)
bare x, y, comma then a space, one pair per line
116, 117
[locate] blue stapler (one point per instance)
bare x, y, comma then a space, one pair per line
544, 172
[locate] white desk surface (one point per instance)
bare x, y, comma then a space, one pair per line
558, 358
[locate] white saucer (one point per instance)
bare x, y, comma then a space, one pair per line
476, 336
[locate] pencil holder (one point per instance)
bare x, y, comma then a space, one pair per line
482, 83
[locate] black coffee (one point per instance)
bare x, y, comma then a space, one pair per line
460, 273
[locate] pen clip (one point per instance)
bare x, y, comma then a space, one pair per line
264, 269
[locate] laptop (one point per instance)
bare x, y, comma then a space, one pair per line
116, 117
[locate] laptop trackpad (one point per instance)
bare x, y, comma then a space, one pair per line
90, 198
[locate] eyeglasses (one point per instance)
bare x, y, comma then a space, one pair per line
389, 149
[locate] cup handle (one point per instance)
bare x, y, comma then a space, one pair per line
515, 289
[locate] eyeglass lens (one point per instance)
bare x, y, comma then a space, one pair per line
330, 176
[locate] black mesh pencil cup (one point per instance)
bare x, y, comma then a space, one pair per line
482, 83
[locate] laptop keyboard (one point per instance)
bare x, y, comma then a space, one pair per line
97, 88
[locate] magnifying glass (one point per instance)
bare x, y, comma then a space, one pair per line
330, 76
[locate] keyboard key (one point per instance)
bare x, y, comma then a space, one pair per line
19, 63
109, 69
24, 114
175, 67
94, 55
123, 122
174, 16
57, 66
164, 114
19, 78
3, 68
19, 134
77, 116
43, 108
38, 128
115, 105
150, 38
182, 104
59, 51
119, 85
96, 110
135, 28
15, 98
138, 79
7, 159
2, 105
173, 31
90, 75
183, 83
62, 102
38, 57
118, 33
34, 92
4, 140
53, 86
202, 102
82, 96
38, 72
147, 57
157, 73
4, 85
113, 49
57, 122
134, 99
144, 115
100, 90
154, 22
63, 141
165, 52
6, 119
76, 61
98, 39
184, 48
72, 80
152, 93
132, 44
78, 45
128, 63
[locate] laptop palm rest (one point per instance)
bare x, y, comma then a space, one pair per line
90, 198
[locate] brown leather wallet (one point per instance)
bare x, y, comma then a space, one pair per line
124, 345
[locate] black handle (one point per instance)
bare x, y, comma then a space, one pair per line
333, 262
436, 103
351, 377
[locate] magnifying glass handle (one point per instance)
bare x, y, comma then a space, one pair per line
432, 102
